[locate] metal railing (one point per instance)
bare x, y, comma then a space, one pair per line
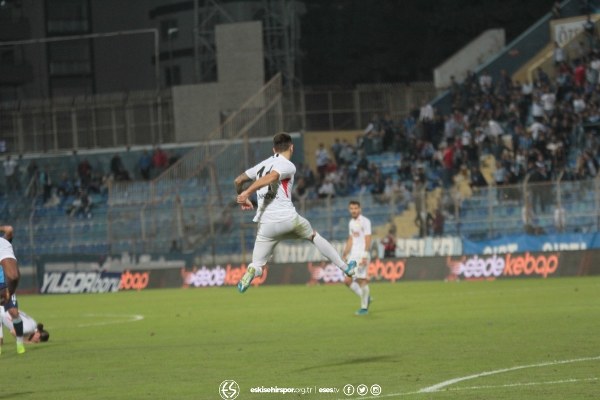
322, 108
119, 120
194, 221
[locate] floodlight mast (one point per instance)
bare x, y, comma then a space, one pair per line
154, 31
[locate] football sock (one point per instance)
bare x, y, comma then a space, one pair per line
18, 325
364, 298
355, 287
329, 251
257, 270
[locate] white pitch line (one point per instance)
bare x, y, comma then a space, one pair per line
449, 382
129, 318
437, 387
509, 385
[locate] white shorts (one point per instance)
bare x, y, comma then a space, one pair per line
269, 234
362, 268
6, 249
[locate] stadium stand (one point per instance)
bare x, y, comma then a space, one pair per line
504, 150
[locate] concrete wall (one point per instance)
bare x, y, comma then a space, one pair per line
240, 64
240, 53
469, 57
123, 63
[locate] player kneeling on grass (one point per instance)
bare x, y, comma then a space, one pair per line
32, 331
273, 181
357, 248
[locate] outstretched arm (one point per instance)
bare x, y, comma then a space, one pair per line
271, 177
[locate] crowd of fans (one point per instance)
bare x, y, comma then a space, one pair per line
72, 187
541, 130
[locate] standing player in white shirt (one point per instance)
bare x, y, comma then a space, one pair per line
276, 215
358, 247
9, 280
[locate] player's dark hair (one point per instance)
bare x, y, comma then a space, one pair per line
44, 336
281, 142
354, 203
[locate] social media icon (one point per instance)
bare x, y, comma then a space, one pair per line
348, 390
229, 389
362, 390
375, 390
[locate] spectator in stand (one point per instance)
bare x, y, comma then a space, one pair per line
327, 189
587, 165
427, 119
394, 191
542, 77
99, 183
558, 55
65, 186
462, 181
307, 174
10, 168
45, 183
160, 160
448, 163
579, 76
336, 148
378, 186
589, 29
485, 82
372, 140
145, 165
84, 171
347, 153
437, 222
389, 132
340, 180
537, 179
117, 168
321, 160
548, 99
591, 77
82, 205
389, 242
579, 104
577, 51
477, 178
301, 191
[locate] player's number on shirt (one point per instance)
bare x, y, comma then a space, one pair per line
270, 191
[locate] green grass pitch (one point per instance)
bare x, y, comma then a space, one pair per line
511, 339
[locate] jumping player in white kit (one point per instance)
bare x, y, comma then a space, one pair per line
276, 215
358, 248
